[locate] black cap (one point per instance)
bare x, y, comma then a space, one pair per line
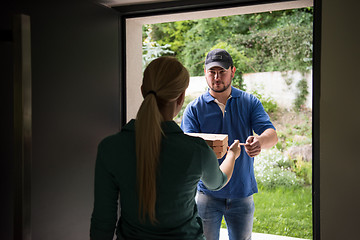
218, 58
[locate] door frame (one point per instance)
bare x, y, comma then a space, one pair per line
174, 7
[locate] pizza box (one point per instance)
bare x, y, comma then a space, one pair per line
218, 142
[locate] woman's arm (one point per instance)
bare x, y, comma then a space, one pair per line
106, 193
214, 176
227, 166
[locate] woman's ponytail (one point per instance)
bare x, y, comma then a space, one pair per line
165, 79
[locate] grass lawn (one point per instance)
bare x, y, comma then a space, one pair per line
283, 211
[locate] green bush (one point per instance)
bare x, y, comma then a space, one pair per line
268, 103
268, 41
301, 96
303, 170
152, 50
273, 169
293, 128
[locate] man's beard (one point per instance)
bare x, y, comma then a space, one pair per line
221, 90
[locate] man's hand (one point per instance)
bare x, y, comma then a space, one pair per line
266, 140
252, 146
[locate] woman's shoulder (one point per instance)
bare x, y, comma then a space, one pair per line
118, 137
110, 141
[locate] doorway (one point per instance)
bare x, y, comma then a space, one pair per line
134, 33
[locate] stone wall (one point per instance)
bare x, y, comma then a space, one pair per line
281, 86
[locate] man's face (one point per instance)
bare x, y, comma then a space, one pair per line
219, 79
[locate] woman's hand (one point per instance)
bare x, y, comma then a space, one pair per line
227, 166
235, 149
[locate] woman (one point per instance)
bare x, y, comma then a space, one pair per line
155, 167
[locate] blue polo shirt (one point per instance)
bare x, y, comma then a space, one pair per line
244, 114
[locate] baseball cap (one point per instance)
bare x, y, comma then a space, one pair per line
218, 58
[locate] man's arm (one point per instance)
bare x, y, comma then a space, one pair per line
189, 122
266, 140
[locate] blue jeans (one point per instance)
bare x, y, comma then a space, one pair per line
238, 214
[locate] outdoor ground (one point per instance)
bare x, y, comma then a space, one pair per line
283, 119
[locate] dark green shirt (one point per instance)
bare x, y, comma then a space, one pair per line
183, 161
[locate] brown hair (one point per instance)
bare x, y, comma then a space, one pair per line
165, 79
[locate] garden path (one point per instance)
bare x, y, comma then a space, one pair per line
258, 236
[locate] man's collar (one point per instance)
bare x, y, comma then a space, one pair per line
234, 93
208, 98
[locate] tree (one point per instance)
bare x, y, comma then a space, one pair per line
269, 41
152, 49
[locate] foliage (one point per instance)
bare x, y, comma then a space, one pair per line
273, 169
268, 103
171, 32
278, 49
303, 170
301, 95
296, 129
152, 49
269, 41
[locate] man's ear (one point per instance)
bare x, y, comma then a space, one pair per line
233, 70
